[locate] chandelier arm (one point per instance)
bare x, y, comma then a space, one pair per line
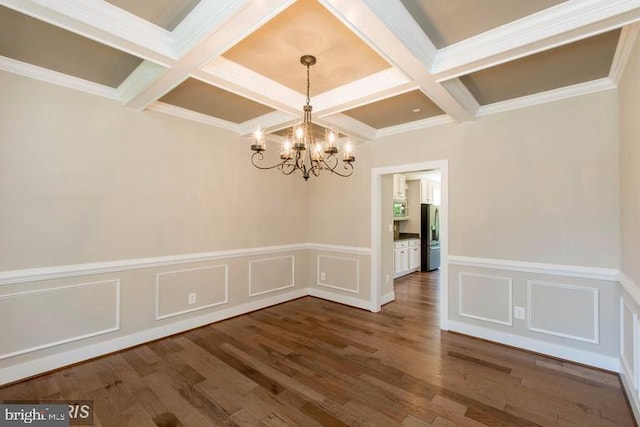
260, 157
347, 166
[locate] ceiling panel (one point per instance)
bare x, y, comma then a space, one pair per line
35, 42
203, 98
164, 13
578, 62
448, 22
396, 110
306, 27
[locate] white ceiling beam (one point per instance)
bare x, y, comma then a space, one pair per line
227, 32
388, 28
105, 23
247, 83
378, 86
567, 22
270, 122
349, 126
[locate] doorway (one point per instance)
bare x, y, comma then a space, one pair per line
378, 228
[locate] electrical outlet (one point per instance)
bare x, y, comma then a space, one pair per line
518, 312
323, 276
192, 298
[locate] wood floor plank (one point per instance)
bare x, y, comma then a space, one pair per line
311, 362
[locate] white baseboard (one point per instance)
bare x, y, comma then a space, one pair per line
342, 299
632, 396
584, 357
48, 363
387, 298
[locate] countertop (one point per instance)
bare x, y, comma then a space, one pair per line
407, 236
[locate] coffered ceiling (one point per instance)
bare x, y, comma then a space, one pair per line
383, 66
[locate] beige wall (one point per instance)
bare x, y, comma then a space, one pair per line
629, 106
537, 184
83, 179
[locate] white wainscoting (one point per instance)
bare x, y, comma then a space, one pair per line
628, 342
42, 318
490, 298
210, 284
271, 275
343, 273
566, 311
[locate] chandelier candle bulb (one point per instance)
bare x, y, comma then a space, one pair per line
348, 156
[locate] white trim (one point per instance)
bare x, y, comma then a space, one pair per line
293, 275
335, 248
509, 281
556, 350
387, 298
596, 311
64, 271
48, 363
201, 307
320, 283
53, 77
628, 36
418, 124
549, 96
629, 286
537, 268
144, 75
632, 397
339, 298
115, 328
194, 116
629, 371
376, 206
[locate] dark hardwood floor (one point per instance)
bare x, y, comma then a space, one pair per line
311, 362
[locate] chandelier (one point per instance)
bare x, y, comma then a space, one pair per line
302, 152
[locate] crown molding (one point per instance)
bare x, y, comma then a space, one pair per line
558, 25
183, 113
461, 93
628, 36
418, 124
104, 23
543, 97
56, 78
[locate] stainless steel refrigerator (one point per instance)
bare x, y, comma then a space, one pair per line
430, 237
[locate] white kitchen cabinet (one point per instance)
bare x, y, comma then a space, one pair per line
414, 255
400, 257
430, 192
399, 187
406, 256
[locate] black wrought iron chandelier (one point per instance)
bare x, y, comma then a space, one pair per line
302, 152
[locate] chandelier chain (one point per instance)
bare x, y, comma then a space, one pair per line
308, 84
